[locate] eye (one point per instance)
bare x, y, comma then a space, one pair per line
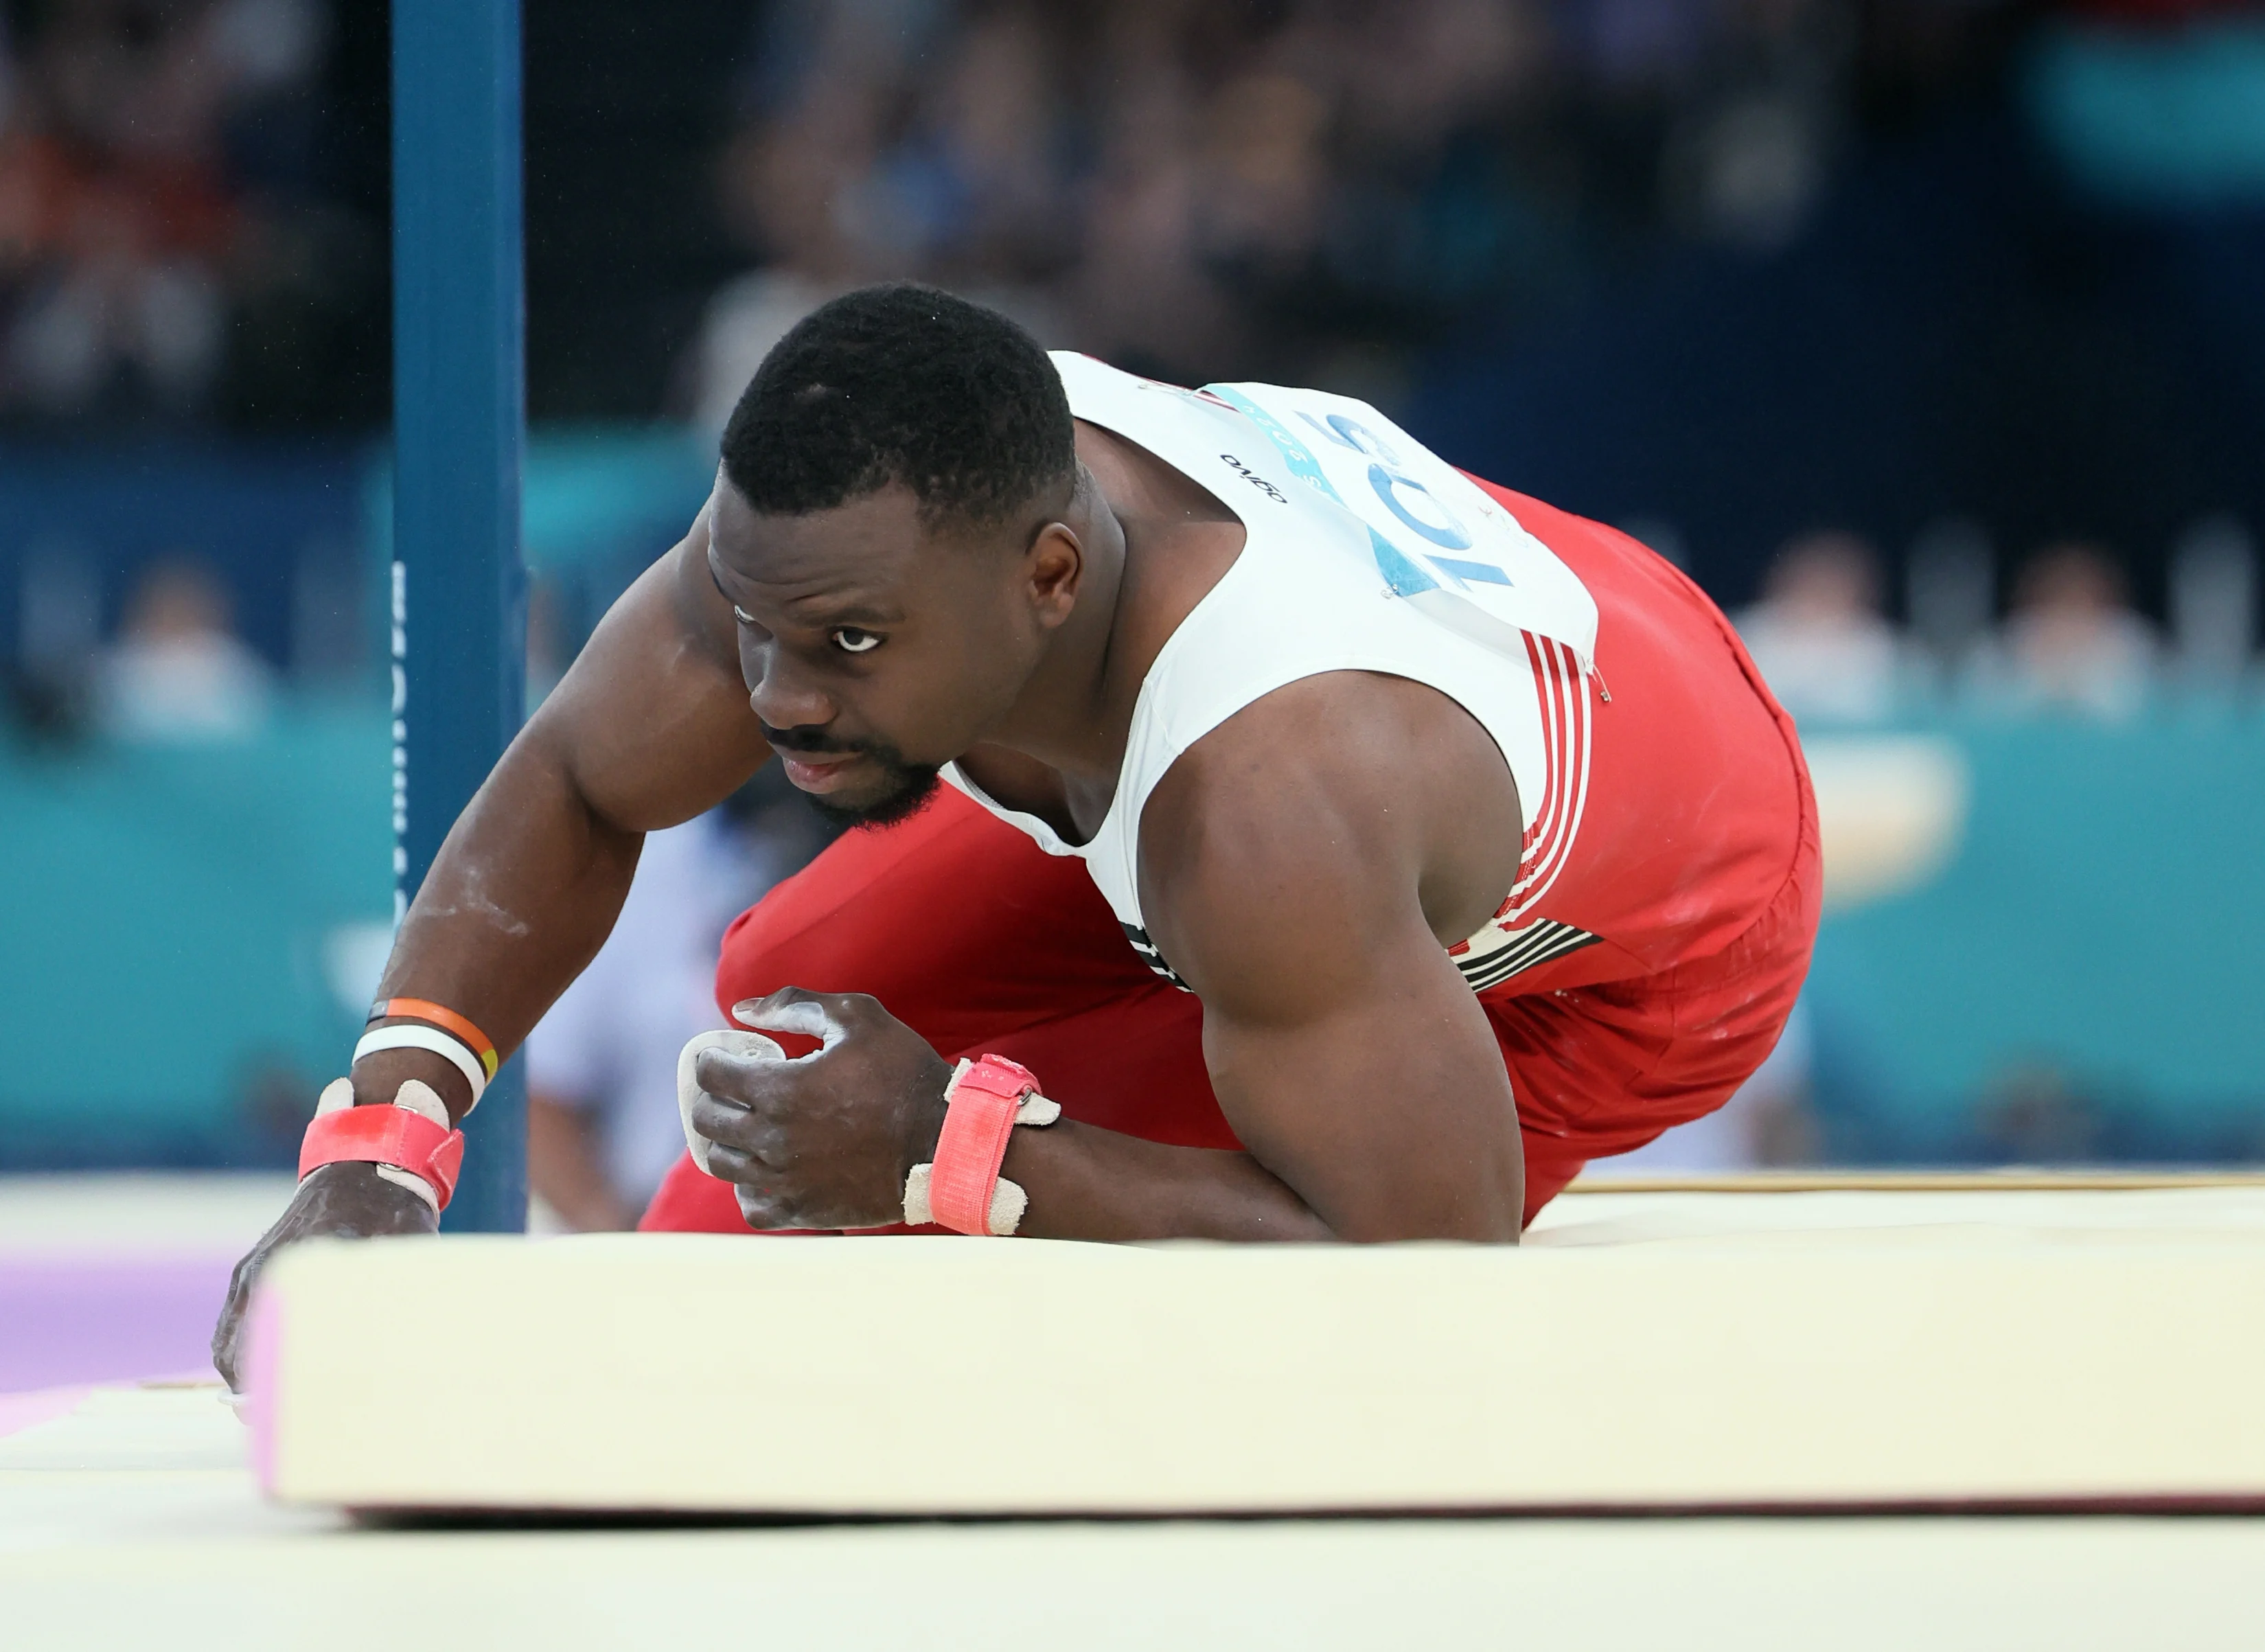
850, 640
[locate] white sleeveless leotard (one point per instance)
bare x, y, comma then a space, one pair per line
1364, 552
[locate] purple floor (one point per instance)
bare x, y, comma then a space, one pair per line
66, 1319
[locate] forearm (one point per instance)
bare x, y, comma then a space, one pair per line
650, 727
827, 1142
524, 890
1086, 1182
1453, 1169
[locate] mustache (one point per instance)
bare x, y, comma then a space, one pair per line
808, 739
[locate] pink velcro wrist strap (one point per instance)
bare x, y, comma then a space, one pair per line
382, 1133
979, 1118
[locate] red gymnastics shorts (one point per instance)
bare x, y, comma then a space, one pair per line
1691, 886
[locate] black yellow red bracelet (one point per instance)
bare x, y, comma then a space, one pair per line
421, 1024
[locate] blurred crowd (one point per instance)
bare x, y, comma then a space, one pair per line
2071, 642
161, 221
1303, 190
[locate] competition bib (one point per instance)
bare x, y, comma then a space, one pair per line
1440, 541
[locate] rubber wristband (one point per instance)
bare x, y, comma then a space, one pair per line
385, 1134
479, 1044
408, 1035
980, 1107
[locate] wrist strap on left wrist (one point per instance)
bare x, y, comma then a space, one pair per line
961, 1188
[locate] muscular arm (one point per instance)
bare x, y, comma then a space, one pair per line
1306, 892
649, 728
1304, 867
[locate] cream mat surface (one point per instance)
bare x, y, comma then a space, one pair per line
190, 1559
1830, 1348
1980, 1210
128, 1517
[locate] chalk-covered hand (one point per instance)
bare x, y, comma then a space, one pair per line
338, 1201
825, 1141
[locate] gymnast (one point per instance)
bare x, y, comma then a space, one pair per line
1269, 831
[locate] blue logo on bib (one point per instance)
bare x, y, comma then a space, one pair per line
1411, 503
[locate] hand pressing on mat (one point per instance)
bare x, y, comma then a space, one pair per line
338, 1201
349, 1199
826, 1141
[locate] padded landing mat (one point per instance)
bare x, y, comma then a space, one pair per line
1830, 1351
128, 1517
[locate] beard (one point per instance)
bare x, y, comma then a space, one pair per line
904, 788
908, 789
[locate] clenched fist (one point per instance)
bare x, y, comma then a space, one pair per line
826, 1141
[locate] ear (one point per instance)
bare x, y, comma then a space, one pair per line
1053, 569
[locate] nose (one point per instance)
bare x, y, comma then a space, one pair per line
777, 694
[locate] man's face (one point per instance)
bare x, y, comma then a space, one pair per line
875, 648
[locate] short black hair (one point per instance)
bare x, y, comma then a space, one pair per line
903, 383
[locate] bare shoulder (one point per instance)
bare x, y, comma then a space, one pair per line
1322, 817
652, 719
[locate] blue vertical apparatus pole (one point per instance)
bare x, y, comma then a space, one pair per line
459, 418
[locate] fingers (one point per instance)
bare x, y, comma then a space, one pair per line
766, 1212
745, 1130
748, 1046
224, 1340
824, 1016
727, 1097
736, 1164
228, 1332
763, 1204
746, 1080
